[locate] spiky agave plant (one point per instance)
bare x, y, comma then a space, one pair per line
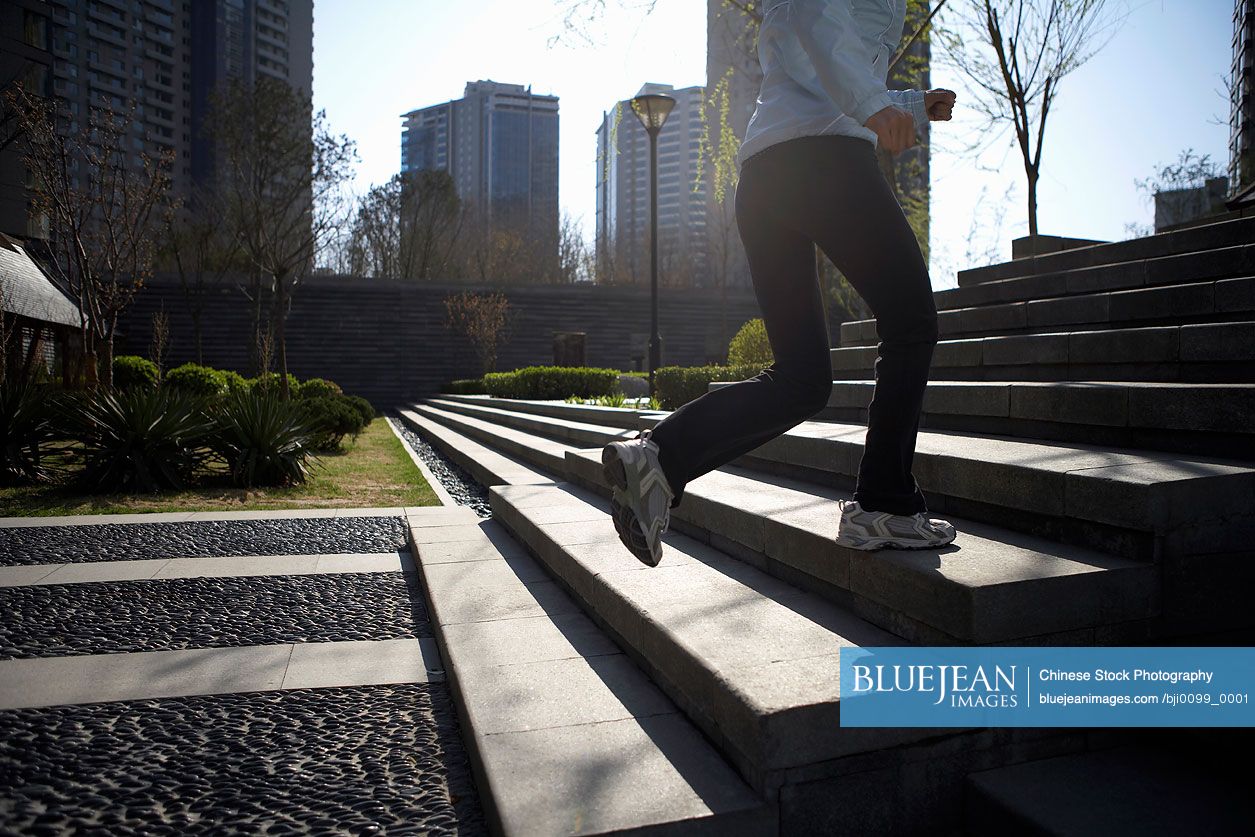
264, 439
140, 440
28, 426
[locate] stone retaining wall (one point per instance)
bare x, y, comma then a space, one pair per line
386, 340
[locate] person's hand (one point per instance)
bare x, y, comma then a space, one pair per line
894, 127
940, 104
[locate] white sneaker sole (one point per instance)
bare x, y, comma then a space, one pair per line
625, 519
870, 544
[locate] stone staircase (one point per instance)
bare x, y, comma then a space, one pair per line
1101, 478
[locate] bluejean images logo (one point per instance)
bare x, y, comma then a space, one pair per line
1047, 687
958, 686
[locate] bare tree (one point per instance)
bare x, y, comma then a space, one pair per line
484, 319
159, 342
1188, 177
431, 222
406, 228
202, 250
283, 177
101, 201
1015, 53
575, 259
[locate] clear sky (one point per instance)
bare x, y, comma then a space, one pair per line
1151, 93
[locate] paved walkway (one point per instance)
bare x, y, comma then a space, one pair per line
149, 686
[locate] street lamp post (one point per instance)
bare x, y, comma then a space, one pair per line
653, 109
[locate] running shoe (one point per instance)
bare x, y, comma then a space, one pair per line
642, 497
868, 530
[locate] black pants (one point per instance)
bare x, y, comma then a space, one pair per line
825, 190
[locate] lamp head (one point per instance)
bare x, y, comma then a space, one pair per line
652, 110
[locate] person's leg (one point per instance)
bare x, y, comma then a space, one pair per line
723, 424
851, 212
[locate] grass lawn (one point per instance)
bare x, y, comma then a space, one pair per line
373, 471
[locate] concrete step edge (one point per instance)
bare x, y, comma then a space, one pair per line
608, 416
1132, 490
1172, 242
990, 586
748, 657
980, 612
863, 332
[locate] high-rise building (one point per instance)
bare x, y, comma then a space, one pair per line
732, 65
1242, 103
245, 40
167, 57
623, 191
499, 143
25, 57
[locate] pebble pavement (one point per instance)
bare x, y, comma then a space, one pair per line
461, 485
371, 756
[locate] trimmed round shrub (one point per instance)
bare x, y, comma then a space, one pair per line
270, 383
319, 387
331, 418
133, 371
234, 381
364, 408
265, 440
196, 380
750, 345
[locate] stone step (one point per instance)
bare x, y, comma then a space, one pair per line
1187, 268
754, 662
980, 595
1135, 504
566, 734
486, 465
1145, 789
1200, 302
1202, 353
623, 417
1197, 238
1195, 419
991, 586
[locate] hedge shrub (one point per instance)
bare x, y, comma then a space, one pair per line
465, 386
200, 381
750, 345
678, 385
132, 371
552, 382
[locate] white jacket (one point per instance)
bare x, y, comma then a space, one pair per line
824, 67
